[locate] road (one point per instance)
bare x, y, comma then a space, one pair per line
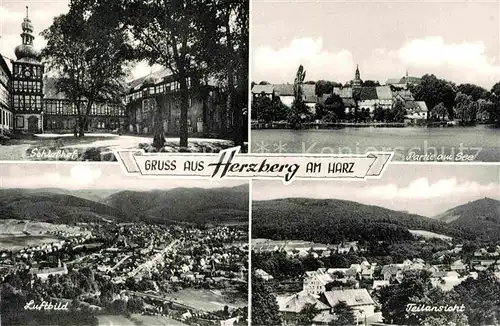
154, 259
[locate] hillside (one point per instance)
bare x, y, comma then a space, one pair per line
332, 220
197, 205
482, 216
89, 194
55, 208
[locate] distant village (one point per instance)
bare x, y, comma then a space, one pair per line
145, 269
393, 102
319, 291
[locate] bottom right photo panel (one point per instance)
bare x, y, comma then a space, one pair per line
419, 246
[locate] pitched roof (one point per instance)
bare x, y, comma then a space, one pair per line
367, 93
309, 90
404, 94
422, 106
296, 302
5, 66
50, 90
258, 89
393, 81
283, 89
322, 277
343, 92
160, 74
352, 297
384, 92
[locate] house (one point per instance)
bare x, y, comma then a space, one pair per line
263, 275
230, 321
391, 272
458, 265
263, 90
324, 318
287, 95
378, 284
315, 281
357, 299
416, 111
290, 305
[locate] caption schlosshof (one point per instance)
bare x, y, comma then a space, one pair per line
230, 164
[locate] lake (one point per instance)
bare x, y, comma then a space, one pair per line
479, 143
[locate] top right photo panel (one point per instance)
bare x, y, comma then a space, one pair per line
417, 78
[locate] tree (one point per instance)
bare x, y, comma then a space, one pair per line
395, 298
88, 50
264, 306
378, 113
481, 298
306, 315
180, 36
229, 22
439, 111
371, 83
331, 110
398, 111
344, 315
495, 90
466, 108
433, 91
299, 108
474, 91
325, 87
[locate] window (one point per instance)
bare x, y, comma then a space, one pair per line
19, 122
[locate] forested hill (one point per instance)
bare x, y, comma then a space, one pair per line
482, 216
193, 205
333, 221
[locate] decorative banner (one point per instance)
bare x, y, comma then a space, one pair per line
227, 164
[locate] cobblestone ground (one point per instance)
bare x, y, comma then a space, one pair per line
97, 147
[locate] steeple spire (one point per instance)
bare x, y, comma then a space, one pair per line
26, 49
357, 77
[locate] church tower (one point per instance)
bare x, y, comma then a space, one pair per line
27, 83
356, 82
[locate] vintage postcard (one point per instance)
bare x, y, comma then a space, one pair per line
420, 246
79, 79
87, 245
417, 78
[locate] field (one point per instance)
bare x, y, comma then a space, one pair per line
23, 227
17, 234
18, 242
137, 320
114, 320
206, 300
429, 234
155, 320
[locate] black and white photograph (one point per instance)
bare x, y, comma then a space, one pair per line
81, 78
418, 78
82, 244
420, 246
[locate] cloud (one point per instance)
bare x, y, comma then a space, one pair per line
91, 176
423, 189
282, 64
418, 196
464, 62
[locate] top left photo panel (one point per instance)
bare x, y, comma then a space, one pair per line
82, 78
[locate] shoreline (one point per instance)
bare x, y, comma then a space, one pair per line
341, 125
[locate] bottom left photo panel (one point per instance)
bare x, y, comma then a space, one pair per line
85, 244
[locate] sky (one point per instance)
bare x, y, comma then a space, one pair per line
92, 176
424, 189
456, 40
41, 13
